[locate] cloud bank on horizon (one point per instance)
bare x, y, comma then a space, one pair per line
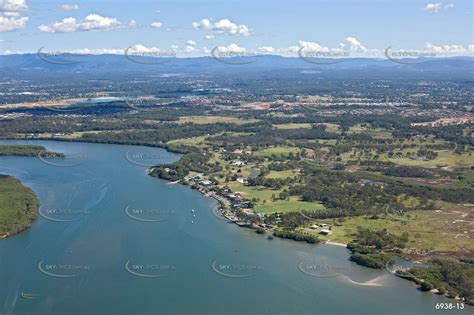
186, 35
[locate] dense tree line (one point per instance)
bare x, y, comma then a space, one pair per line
372, 248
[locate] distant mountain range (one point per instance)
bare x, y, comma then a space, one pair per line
30, 64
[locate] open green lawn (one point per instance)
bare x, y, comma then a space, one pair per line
277, 151
282, 174
265, 203
294, 204
445, 158
250, 192
377, 133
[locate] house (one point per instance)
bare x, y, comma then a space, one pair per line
325, 232
242, 180
247, 211
238, 163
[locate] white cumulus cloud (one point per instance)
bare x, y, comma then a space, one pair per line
231, 48
266, 49
156, 24
11, 19
13, 5
100, 51
8, 24
70, 7
353, 45
448, 49
143, 49
311, 46
190, 49
138, 49
349, 46
92, 22
11, 13
223, 26
438, 6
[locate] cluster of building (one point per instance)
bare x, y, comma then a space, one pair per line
457, 120
232, 203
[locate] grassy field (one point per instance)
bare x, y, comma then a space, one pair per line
377, 133
282, 174
203, 120
448, 229
194, 141
330, 142
292, 126
294, 204
18, 206
466, 182
277, 151
445, 158
332, 127
74, 135
250, 192
265, 203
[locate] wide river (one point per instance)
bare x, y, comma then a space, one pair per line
112, 240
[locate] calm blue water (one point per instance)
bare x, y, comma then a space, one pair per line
113, 240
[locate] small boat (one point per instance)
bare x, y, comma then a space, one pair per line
192, 222
192, 210
28, 295
194, 215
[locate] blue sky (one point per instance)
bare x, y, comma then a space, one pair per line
281, 27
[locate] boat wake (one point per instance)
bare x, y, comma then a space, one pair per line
379, 281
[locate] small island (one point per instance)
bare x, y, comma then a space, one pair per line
27, 150
18, 206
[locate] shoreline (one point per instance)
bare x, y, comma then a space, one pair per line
223, 216
204, 191
36, 203
335, 244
